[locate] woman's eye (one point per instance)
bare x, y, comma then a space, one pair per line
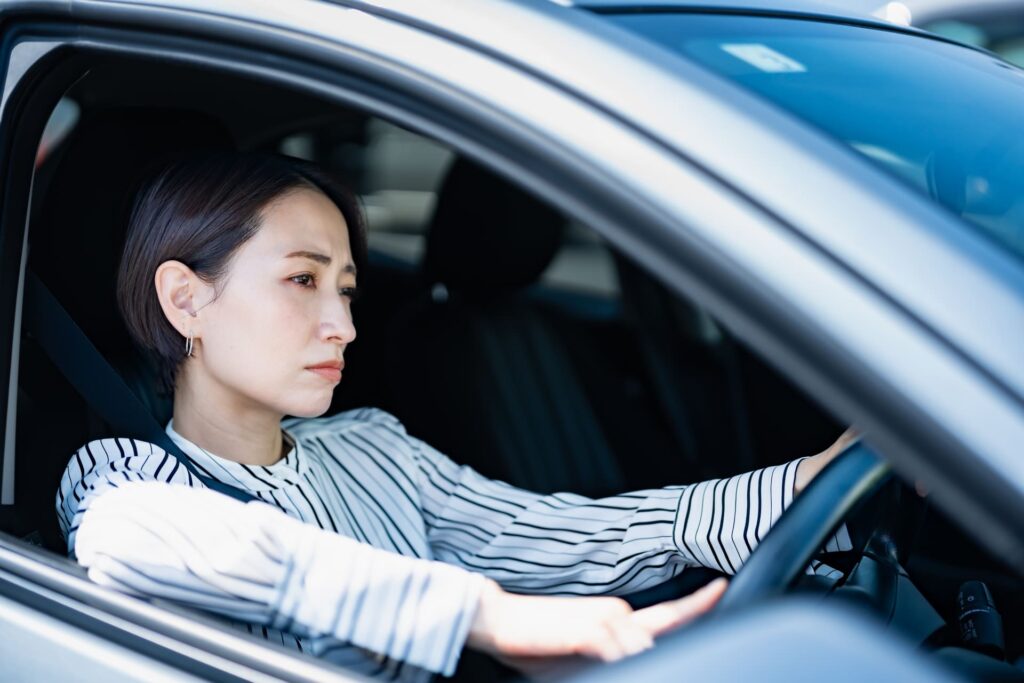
304, 280
351, 292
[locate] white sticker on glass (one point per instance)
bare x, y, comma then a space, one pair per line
764, 57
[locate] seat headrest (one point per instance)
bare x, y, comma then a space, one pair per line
487, 235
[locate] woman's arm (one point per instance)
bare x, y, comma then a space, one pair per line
255, 563
810, 467
134, 520
570, 544
142, 525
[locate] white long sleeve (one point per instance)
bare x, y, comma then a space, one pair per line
253, 562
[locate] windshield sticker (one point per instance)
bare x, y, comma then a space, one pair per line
764, 58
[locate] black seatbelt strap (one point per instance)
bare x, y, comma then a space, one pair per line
97, 381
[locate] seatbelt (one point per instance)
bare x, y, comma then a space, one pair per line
97, 381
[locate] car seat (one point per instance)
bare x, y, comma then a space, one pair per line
730, 411
479, 369
693, 369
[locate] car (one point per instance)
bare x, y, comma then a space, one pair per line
613, 245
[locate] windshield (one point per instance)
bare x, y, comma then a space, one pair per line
947, 120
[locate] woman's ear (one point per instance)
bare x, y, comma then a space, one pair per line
179, 289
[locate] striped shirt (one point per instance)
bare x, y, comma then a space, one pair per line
373, 548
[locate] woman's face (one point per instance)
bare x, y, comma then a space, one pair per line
275, 335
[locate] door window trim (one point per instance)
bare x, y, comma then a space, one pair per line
24, 63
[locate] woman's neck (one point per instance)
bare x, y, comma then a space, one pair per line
225, 426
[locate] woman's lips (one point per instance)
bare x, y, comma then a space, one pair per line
329, 371
331, 374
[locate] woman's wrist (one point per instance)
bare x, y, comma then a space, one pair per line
806, 470
482, 630
810, 467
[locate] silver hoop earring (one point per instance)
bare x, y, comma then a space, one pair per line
189, 343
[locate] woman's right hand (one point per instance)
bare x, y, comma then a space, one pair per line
525, 630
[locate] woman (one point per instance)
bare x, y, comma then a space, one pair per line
375, 550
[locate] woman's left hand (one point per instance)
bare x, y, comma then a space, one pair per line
810, 467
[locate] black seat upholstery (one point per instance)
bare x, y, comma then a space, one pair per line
692, 368
728, 410
478, 369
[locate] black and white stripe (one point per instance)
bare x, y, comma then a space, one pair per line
359, 475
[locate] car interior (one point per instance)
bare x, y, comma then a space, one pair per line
495, 327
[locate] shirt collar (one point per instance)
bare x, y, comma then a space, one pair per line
287, 471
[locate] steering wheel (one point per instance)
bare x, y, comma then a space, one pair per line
802, 530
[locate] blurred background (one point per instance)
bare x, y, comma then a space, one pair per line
996, 25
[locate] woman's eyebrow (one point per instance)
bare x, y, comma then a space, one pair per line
322, 259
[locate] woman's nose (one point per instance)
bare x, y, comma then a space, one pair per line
337, 324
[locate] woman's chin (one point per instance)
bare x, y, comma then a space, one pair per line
314, 407
312, 412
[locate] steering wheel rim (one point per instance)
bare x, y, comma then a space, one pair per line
802, 530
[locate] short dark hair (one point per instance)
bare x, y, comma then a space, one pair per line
199, 211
